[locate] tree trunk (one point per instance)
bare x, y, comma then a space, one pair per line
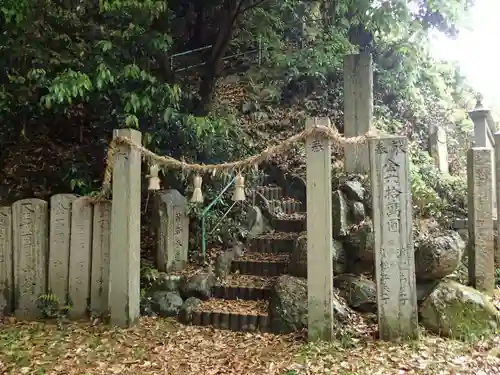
207, 90
220, 46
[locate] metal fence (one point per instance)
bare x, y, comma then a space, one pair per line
175, 56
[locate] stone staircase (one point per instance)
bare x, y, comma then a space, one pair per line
240, 302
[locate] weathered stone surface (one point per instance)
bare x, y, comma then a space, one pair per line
165, 303
480, 210
167, 283
340, 212
393, 236
353, 190
59, 243
30, 219
359, 292
298, 259
187, 308
255, 222
437, 257
224, 261
361, 241
6, 275
101, 237
357, 212
80, 254
288, 305
199, 285
172, 230
458, 311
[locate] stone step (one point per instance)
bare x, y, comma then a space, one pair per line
261, 264
244, 287
289, 223
286, 206
270, 192
273, 242
246, 316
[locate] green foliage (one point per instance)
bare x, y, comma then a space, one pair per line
82, 70
51, 307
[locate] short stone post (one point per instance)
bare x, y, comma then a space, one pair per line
358, 109
6, 275
80, 254
125, 252
30, 219
497, 188
392, 227
439, 148
484, 131
59, 244
101, 235
172, 230
319, 235
480, 219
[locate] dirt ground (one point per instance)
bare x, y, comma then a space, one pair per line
162, 346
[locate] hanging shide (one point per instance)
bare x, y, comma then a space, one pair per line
197, 196
239, 188
154, 180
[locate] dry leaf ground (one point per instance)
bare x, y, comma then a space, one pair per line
162, 346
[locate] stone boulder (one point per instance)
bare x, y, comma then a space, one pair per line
199, 285
437, 257
359, 292
361, 243
298, 259
457, 311
353, 190
288, 305
165, 303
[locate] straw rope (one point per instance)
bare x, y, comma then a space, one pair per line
167, 162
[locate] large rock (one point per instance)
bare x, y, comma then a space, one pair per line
359, 292
353, 190
457, 311
437, 257
298, 259
288, 305
361, 242
199, 285
165, 303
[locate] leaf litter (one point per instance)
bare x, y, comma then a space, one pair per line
163, 346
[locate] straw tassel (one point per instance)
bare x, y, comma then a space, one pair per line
154, 181
197, 194
239, 188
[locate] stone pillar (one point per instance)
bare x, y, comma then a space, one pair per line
30, 219
59, 243
125, 251
484, 131
497, 192
172, 230
101, 235
80, 256
6, 275
392, 227
358, 109
439, 148
319, 234
480, 219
